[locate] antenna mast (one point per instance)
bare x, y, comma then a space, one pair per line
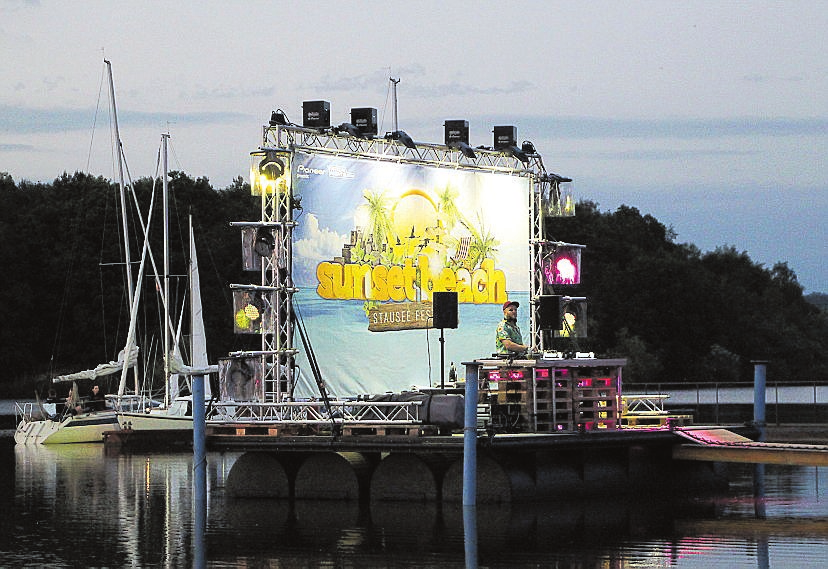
394, 97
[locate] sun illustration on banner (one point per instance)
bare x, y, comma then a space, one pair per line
414, 213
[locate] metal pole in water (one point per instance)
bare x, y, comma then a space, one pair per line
759, 381
470, 437
199, 474
470, 535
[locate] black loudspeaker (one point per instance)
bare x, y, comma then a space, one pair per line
445, 310
549, 312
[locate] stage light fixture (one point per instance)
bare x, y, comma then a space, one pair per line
272, 166
350, 129
518, 153
562, 264
528, 148
278, 118
467, 150
401, 135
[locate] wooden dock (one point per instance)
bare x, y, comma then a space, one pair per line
722, 445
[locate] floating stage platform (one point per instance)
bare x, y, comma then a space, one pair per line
511, 467
544, 430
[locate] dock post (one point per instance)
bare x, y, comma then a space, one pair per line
199, 474
199, 423
759, 382
470, 436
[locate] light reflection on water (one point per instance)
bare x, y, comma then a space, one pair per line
77, 505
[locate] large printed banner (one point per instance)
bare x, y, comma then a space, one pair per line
375, 240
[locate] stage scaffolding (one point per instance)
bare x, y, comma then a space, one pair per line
548, 198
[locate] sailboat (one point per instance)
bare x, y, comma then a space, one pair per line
80, 419
177, 411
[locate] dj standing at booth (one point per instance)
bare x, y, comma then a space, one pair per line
508, 339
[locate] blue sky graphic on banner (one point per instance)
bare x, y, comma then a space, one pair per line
375, 239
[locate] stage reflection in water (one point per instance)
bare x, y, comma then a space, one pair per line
77, 505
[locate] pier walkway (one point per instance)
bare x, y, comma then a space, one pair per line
722, 445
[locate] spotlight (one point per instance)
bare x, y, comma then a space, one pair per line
350, 129
272, 166
518, 153
528, 147
278, 117
401, 135
467, 150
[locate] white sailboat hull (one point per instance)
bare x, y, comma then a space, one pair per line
154, 422
83, 428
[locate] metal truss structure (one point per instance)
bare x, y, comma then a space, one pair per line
319, 413
277, 348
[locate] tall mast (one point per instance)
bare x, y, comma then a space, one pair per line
166, 207
121, 185
122, 193
394, 102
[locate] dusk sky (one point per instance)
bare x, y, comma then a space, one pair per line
712, 116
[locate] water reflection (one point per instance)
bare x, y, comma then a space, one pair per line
75, 505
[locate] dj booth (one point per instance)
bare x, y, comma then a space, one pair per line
540, 395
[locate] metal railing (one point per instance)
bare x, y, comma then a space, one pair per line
787, 402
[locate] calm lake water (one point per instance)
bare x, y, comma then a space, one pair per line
79, 506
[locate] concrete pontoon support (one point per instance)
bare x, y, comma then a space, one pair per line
497, 482
406, 478
258, 475
333, 476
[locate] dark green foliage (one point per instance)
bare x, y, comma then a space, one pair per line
63, 293
678, 314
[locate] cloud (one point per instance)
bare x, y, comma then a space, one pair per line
230, 92
378, 81
704, 128
761, 78
317, 243
25, 120
657, 154
16, 148
462, 89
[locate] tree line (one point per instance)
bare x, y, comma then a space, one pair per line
676, 313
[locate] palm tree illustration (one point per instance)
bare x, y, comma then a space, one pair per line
483, 245
379, 218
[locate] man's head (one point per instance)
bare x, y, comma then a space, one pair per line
95, 389
510, 310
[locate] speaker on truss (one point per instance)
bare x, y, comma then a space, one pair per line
445, 309
549, 312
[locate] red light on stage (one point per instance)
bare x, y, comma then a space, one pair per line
566, 270
494, 376
516, 374
563, 267
562, 264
